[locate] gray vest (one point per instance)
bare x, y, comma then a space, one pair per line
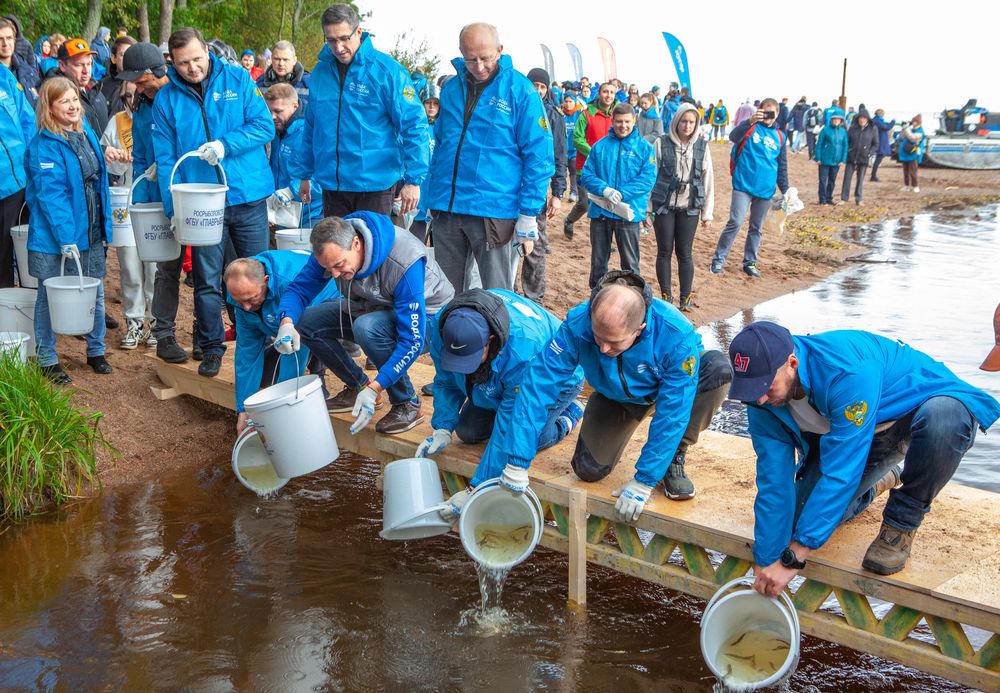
666, 178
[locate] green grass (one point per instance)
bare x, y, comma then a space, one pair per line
48, 447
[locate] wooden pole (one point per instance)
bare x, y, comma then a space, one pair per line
843, 88
578, 546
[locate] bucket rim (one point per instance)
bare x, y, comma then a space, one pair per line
6, 339
211, 188
12, 303
308, 385
248, 434
528, 498
64, 282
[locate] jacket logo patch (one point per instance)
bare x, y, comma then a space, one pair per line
856, 413
741, 363
500, 104
408, 93
360, 89
688, 366
557, 346
257, 92
543, 123
44, 165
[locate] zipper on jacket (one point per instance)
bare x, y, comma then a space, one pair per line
11, 160
340, 108
621, 377
461, 139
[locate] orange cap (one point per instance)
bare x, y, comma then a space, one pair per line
992, 362
74, 47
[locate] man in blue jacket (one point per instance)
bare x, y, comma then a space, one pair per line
641, 356
215, 109
481, 344
621, 169
365, 127
17, 128
25, 72
759, 163
846, 404
389, 287
492, 162
283, 103
884, 149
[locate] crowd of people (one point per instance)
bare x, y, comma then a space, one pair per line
425, 201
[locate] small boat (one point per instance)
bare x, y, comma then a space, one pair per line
969, 138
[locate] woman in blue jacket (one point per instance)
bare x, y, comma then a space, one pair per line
831, 152
911, 152
67, 196
884, 148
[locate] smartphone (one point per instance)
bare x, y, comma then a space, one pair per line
519, 249
769, 114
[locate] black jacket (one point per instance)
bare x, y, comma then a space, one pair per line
557, 126
861, 142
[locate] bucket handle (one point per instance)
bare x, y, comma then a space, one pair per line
748, 581
528, 493
20, 212
194, 152
132, 189
274, 376
79, 269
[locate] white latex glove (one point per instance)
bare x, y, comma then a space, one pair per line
632, 498
453, 506
151, 172
287, 341
434, 444
526, 228
514, 479
212, 152
364, 409
70, 250
284, 196
612, 195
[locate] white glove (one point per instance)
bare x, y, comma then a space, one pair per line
453, 506
212, 152
632, 499
70, 250
435, 444
612, 196
526, 228
364, 409
287, 341
151, 172
284, 196
514, 479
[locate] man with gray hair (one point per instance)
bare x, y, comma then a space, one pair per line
389, 285
285, 69
492, 162
370, 131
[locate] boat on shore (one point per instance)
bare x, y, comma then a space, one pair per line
968, 138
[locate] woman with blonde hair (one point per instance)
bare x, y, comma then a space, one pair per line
67, 195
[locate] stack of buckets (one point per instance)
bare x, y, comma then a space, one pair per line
17, 305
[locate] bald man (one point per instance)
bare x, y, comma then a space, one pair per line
641, 356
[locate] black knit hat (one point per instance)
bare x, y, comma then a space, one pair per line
537, 74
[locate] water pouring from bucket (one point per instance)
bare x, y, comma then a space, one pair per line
500, 529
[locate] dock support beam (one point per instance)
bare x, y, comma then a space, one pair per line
578, 547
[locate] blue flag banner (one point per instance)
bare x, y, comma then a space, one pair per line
550, 65
679, 56
577, 60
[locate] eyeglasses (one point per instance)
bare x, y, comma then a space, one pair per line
472, 62
338, 40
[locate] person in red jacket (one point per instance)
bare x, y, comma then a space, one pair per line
593, 124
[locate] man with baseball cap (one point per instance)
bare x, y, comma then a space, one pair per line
481, 344
76, 63
845, 404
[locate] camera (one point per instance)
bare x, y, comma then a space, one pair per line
769, 114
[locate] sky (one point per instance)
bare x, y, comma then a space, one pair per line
737, 49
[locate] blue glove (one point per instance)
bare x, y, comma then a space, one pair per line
632, 498
514, 479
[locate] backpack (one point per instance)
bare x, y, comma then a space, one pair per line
812, 118
734, 155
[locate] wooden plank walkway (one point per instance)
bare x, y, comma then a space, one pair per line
951, 580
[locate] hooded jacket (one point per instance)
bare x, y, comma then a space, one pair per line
592, 124
626, 164
396, 275
17, 129
142, 151
26, 74
649, 124
915, 135
558, 129
855, 380
831, 145
862, 142
697, 172
233, 112
720, 115
523, 329
763, 162
884, 128
496, 163
298, 78
367, 133
284, 148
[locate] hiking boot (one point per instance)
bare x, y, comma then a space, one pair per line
99, 364
568, 230
189, 279
110, 323
196, 351
667, 297
750, 269
210, 365
716, 267
170, 351
133, 335
343, 401
888, 553
676, 484
401, 417
686, 305
56, 374
427, 389
888, 482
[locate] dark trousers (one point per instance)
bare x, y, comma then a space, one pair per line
166, 295
10, 215
582, 204
573, 176
419, 229
910, 173
849, 171
878, 160
340, 204
827, 182
533, 268
675, 231
811, 143
608, 425
626, 236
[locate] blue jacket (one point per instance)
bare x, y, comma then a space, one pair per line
26, 74
670, 107
661, 368
497, 165
831, 145
570, 121
284, 148
627, 165
855, 380
531, 328
423, 211
763, 162
366, 134
17, 128
142, 152
884, 128
55, 194
234, 113
918, 155
254, 331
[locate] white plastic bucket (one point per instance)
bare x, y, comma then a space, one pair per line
199, 208
732, 613
19, 234
492, 506
252, 466
72, 300
154, 239
292, 419
293, 239
16, 342
17, 313
411, 500
121, 226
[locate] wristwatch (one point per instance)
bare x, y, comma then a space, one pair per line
789, 560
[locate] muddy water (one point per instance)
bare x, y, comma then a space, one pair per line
932, 281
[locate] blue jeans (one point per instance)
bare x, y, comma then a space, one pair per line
45, 265
321, 326
742, 202
246, 226
475, 425
934, 438
827, 182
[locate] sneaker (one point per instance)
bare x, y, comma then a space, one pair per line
716, 267
573, 197
343, 401
914, 189
210, 365
170, 351
686, 304
676, 484
189, 279
888, 553
568, 229
888, 482
99, 364
905, 188
146, 336
427, 390
874, 180
133, 335
401, 417
667, 297
56, 374
750, 269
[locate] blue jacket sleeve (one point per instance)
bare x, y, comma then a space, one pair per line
25, 116
774, 507
534, 141
249, 362
257, 128
301, 166
783, 169
494, 457
739, 132
306, 286
411, 325
410, 120
589, 177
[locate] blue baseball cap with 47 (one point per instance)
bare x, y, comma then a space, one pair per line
756, 354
